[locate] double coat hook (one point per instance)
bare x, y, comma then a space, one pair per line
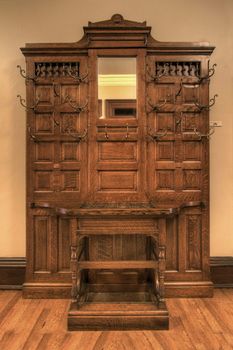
23, 103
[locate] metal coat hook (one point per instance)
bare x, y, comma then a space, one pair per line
127, 131
55, 93
106, 131
156, 136
211, 72
156, 108
78, 78
75, 106
32, 136
54, 120
77, 137
201, 136
23, 74
206, 107
178, 93
23, 103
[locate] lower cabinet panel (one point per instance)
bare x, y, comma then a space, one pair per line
187, 272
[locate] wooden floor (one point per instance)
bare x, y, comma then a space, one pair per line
41, 324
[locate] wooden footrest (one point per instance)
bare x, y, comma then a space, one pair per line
101, 312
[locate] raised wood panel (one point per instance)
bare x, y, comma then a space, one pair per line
172, 245
165, 121
192, 150
41, 240
70, 151
70, 181
117, 151
44, 152
43, 123
165, 151
43, 181
192, 179
190, 93
44, 93
70, 121
64, 243
117, 247
193, 241
190, 121
165, 180
117, 181
165, 92
71, 91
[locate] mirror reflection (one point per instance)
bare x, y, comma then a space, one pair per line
117, 87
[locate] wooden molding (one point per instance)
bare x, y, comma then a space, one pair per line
221, 268
12, 272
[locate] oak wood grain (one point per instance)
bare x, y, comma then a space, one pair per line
41, 324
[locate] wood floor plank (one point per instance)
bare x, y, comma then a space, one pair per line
40, 324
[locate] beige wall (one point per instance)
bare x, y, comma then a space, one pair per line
62, 20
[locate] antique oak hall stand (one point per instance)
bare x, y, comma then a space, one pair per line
115, 181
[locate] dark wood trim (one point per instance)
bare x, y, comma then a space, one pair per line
12, 272
221, 268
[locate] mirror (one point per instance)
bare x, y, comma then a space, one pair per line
117, 87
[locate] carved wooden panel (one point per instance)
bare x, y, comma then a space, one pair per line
190, 121
172, 245
41, 241
117, 247
64, 243
192, 179
193, 241
178, 68
55, 69
71, 121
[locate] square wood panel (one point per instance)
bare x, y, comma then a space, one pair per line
70, 121
117, 181
45, 95
70, 181
44, 152
117, 151
44, 123
192, 151
165, 180
165, 150
166, 92
43, 181
165, 121
70, 151
192, 179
